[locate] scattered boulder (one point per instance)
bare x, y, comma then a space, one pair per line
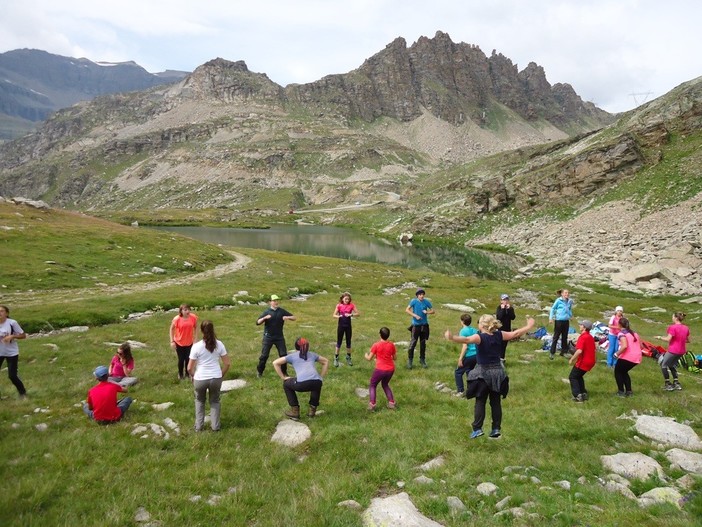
162, 406
634, 465
423, 480
434, 463
688, 461
660, 495
395, 511
486, 489
362, 392
455, 505
41, 427
291, 433
459, 307
667, 431
350, 504
142, 515
233, 384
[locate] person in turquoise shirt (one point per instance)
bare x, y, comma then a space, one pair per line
418, 308
560, 314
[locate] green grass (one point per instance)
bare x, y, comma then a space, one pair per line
78, 473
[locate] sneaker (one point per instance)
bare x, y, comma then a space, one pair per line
371, 407
391, 405
476, 433
459, 394
409, 364
423, 363
677, 385
259, 374
551, 355
495, 433
585, 396
336, 361
579, 398
668, 387
621, 394
628, 394
348, 360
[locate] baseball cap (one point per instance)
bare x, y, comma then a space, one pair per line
619, 308
101, 371
504, 297
420, 291
275, 297
586, 324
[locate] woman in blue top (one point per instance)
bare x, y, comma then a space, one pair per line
489, 378
307, 380
560, 314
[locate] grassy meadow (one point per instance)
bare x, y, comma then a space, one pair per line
79, 473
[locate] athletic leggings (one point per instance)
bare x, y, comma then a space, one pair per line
341, 332
183, 357
670, 362
383, 377
621, 374
560, 329
12, 367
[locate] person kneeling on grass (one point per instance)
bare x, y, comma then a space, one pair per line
584, 359
307, 380
102, 405
489, 378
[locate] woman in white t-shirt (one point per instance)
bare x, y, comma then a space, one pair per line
207, 375
10, 333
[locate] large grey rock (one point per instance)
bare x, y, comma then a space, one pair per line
395, 511
455, 504
233, 384
688, 461
660, 495
634, 465
667, 431
291, 433
486, 489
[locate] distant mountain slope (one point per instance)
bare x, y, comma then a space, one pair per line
34, 83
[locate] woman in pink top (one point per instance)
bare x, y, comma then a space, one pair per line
628, 355
613, 336
344, 311
183, 333
122, 363
678, 336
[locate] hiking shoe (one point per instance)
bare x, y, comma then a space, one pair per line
579, 398
312, 411
621, 394
391, 405
336, 361
585, 396
677, 386
668, 387
629, 394
551, 355
371, 407
259, 374
423, 363
495, 433
409, 364
348, 360
476, 433
293, 413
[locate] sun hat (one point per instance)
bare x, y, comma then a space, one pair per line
586, 324
101, 371
275, 297
619, 308
504, 296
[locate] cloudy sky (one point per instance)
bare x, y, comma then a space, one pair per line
615, 53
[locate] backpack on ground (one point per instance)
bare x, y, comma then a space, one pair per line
690, 363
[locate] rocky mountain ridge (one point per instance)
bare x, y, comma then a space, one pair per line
34, 84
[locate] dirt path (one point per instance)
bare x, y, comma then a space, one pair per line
29, 298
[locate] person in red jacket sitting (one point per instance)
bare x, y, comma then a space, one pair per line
102, 405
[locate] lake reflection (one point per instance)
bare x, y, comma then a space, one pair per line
346, 244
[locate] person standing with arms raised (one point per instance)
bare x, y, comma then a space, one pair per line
505, 314
418, 308
273, 319
560, 314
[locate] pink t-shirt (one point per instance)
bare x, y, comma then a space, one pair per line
346, 309
117, 369
614, 321
679, 334
632, 353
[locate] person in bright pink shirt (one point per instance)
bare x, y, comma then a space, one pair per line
122, 363
584, 359
344, 311
628, 355
613, 336
385, 354
678, 336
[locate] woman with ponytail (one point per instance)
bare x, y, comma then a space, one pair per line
307, 380
678, 335
207, 374
628, 356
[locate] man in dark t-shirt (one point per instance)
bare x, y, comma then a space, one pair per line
273, 319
